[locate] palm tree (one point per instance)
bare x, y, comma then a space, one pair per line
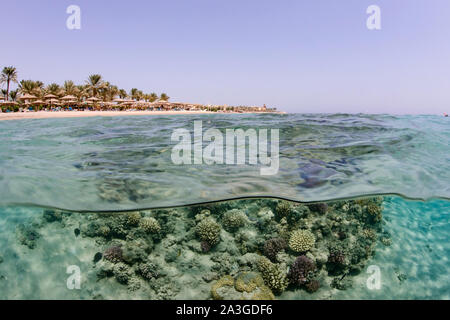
164, 97
8, 74
70, 89
13, 94
54, 89
39, 85
82, 92
123, 94
109, 92
4, 93
94, 84
134, 93
153, 97
28, 87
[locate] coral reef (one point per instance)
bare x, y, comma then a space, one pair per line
148, 271
133, 218
234, 219
319, 207
113, 254
122, 272
247, 285
150, 225
273, 246
162, 253
27, 235
302, 271
284, 208
226, 281
52, 215
301, 241
208, 230
274, 277
312, 286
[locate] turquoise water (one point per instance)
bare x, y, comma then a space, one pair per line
82, 167
125, 162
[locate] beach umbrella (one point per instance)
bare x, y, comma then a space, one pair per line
8, 103
38, 102
93, 99
50, 96
27, 97
53, 102
128, 102
69, 97
119, 100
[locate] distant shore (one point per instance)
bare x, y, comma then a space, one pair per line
82, 114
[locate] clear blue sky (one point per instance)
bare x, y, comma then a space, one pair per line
297, 55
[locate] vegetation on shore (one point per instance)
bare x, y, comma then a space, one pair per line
94, 94
95, 86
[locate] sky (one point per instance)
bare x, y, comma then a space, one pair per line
295, 55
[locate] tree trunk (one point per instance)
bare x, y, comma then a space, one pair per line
7, 90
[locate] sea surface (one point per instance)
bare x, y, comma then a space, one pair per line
86, 167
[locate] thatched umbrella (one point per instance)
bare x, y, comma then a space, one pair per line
27, 97
94, 100
119, 100
69, 97
8, 103
53, 102
50, 96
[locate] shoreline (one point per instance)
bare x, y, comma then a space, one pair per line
83, 114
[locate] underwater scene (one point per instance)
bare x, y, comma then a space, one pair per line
96, 209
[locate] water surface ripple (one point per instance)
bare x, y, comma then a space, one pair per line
119, 163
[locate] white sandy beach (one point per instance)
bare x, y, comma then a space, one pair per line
80, 114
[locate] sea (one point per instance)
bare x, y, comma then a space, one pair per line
102, 208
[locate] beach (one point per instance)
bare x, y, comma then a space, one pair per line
82, 114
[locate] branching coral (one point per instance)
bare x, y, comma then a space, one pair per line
150, 225
133, 218
208, 230
301, 241
374, 212
234, 219
319, 207
122, 272
272, 275
301, 271
147, 271
284, 208
113, 254
273, 246
312, 286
